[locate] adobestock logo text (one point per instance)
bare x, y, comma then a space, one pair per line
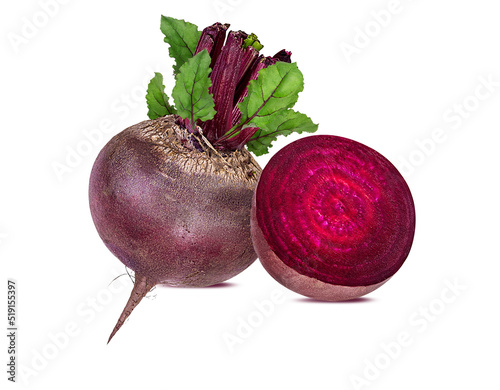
364, 36
31, 26
92, 138
454, 118
419, 321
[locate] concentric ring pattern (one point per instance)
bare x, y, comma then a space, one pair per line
336, 210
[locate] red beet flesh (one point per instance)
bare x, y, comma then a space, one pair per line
332, 219
173, 214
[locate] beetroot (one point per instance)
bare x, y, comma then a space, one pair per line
171, 196
174, 215
332, 219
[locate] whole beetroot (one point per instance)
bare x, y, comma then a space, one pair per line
171, 196
332, 219
173, 214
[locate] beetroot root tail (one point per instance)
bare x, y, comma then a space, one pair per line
141, 287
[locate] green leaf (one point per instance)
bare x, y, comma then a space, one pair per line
268, 107
191, 96
277, 87
182, 38
157, 99
283, 122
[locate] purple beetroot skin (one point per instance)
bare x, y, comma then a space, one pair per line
332, 219
172, 213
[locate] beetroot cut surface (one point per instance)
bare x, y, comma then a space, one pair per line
336, 212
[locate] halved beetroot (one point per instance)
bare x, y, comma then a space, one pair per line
332, 219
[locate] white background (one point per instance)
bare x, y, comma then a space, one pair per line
86, 63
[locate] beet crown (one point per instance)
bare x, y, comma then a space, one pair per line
226, 91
